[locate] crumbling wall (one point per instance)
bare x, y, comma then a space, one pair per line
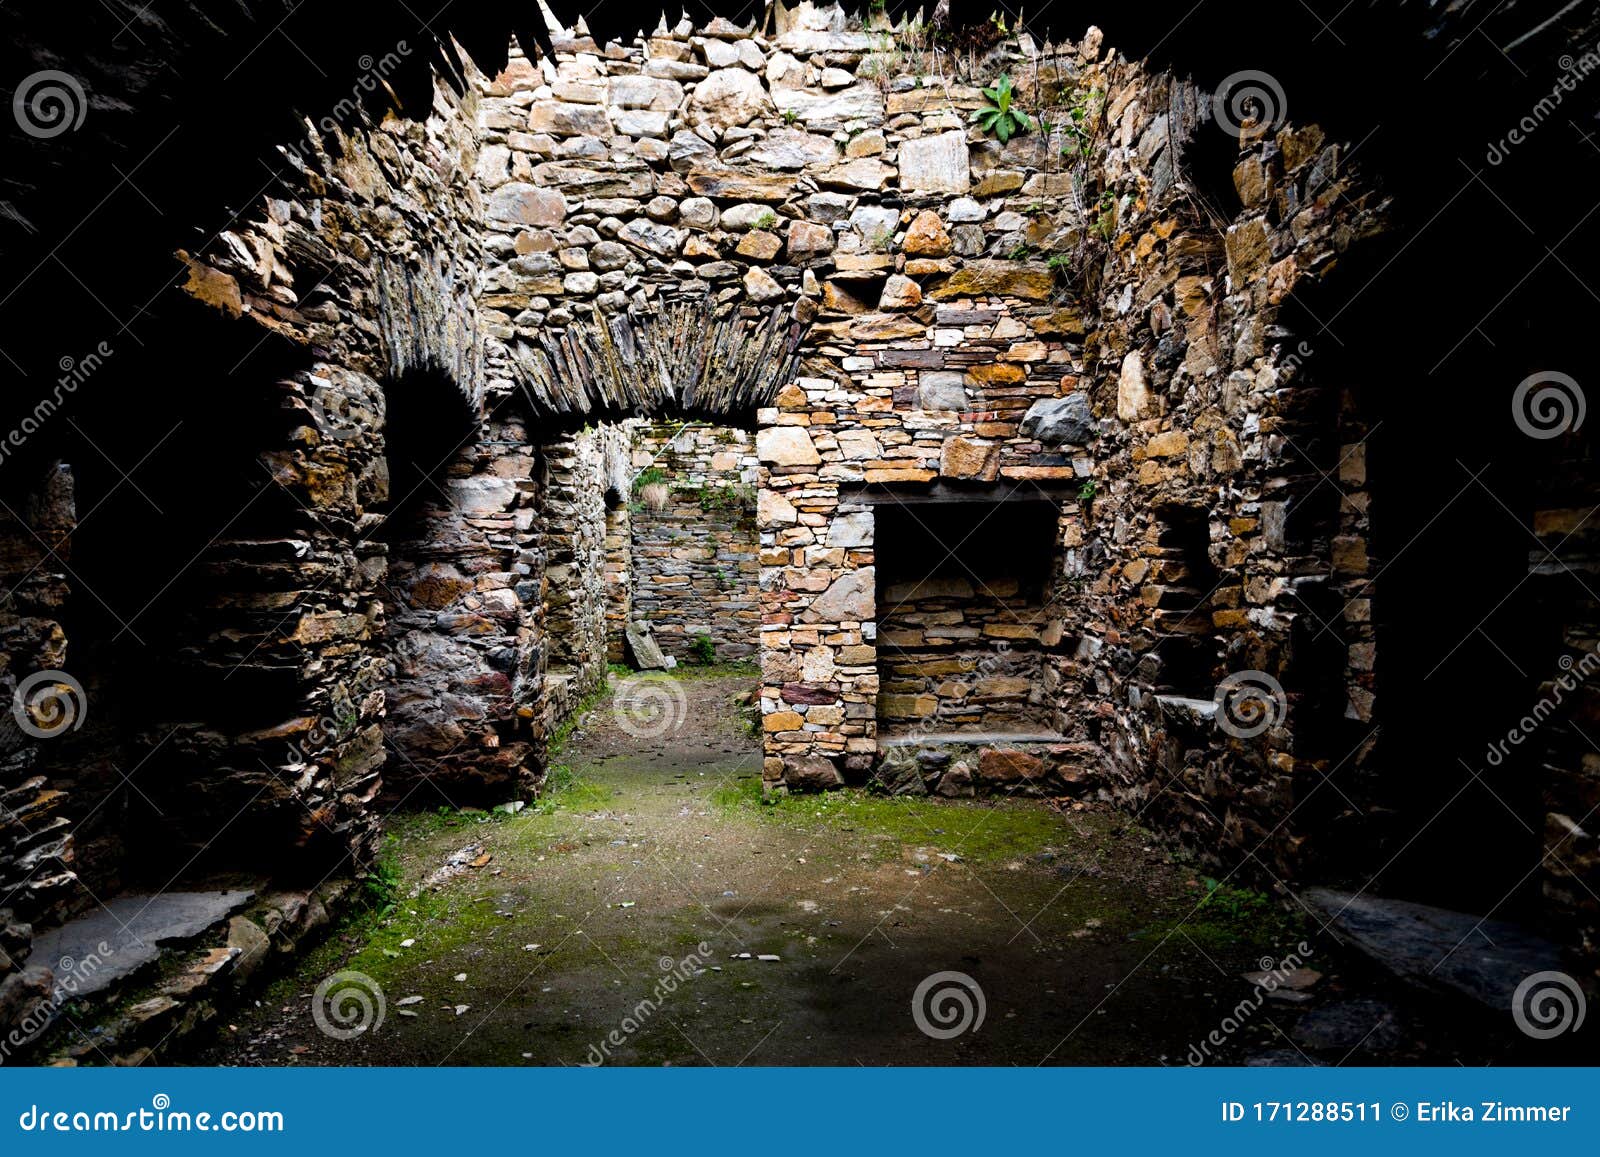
804, 234
363, 266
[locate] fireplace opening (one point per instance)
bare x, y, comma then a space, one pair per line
963, 621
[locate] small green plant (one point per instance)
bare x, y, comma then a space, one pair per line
881, 241
1086, 492
1020, 251
727, 499
790, 116
1059, 263
702, 650
767, 220
649, 476
1001, 116
381, 888
1076, 129
1105, 225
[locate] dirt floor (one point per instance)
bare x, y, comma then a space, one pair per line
653, 910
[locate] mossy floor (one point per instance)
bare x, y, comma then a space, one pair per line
1089, 941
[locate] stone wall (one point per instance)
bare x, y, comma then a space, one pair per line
799, 233
464, 550
36, 847
585, 474
618, 580
959, 656
1564, 762
1081, 312
365, 270
695, 561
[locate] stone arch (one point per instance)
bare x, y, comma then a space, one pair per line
674, 360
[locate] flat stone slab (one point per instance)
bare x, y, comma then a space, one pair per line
642, 645
1438, 949
970, 738
116, 940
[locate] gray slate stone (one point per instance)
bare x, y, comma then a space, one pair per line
852, 596
1437, 949
643, 648
127, 933
1056, 421
941, 390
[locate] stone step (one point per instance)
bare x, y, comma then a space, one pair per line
137, 976
1447, 952
123, 936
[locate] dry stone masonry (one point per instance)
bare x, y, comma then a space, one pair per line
1000, 454
695, 557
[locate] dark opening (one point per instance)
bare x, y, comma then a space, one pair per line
1180, 587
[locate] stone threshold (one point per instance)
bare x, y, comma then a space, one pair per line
970, 738
1437, 950
970, 763
185, 958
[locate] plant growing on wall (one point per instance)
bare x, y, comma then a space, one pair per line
1077, 130
1001, 116
651, 489
702, 650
